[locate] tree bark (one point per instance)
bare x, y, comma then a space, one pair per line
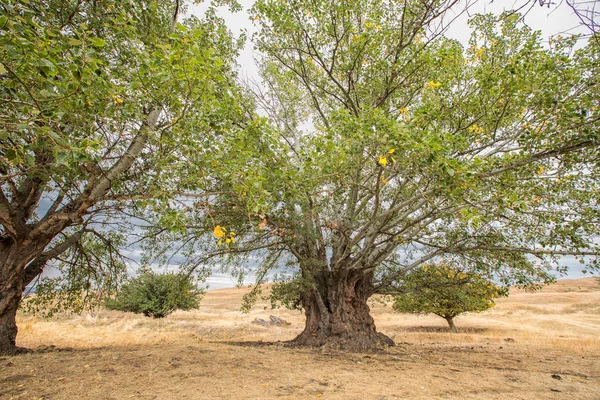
12, 264
338, 316
450, 321
8, 325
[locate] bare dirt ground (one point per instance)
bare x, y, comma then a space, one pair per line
530, 346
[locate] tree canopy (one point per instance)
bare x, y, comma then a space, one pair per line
446, 291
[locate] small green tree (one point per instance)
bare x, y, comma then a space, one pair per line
446, 291
157, 295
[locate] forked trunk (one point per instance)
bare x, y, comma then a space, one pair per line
337, 315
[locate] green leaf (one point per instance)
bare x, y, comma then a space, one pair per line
98, 42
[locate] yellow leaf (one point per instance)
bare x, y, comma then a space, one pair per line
433, 85
228, 240
219, 232
476, 129
382, 161
391, 151
384, 181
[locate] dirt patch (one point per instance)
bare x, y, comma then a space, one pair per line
223, 370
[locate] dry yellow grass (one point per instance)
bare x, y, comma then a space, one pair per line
511, 351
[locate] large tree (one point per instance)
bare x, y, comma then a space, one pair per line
389, 145
102, 104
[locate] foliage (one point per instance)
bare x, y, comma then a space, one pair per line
286, 292
87, 274
445, 291
157, 295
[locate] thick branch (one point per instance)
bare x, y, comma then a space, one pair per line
127, 160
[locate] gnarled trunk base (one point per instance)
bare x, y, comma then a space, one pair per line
341, 319
349, 340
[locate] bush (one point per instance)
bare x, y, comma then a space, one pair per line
157, 295
445, 291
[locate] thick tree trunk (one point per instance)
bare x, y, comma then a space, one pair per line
450, 321
337, 314
8, 325
14, 257
12, 265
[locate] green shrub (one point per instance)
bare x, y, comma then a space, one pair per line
157, 295
445, 291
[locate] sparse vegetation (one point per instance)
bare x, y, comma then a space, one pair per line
157, 295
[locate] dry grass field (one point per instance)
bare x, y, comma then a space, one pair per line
530, 346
